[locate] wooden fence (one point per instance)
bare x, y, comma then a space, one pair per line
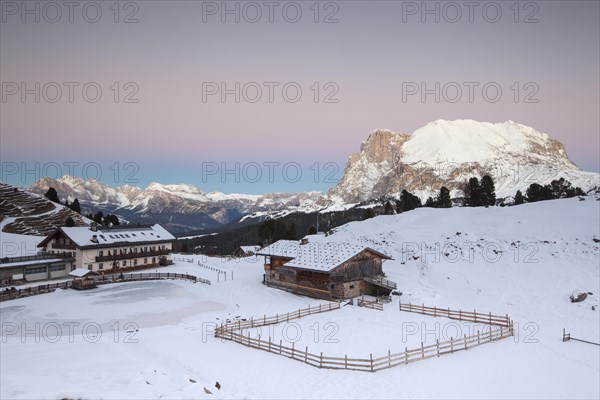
208, 267
497, 331
470, 316
255, 323
8, 294
375, 304
567, 337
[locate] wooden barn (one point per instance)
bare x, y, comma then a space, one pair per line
325, 270
246, 251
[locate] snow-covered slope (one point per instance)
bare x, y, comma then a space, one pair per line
155, 337
448, 153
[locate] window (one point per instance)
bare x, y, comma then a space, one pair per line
90, 267
351, 286
56, 268
101, 253
135, 262
124, 263
100, 265
145, 261
35, 270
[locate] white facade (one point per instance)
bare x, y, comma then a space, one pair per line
99, 249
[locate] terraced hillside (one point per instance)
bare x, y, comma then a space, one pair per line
26, 213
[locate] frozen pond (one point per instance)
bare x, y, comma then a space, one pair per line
137, 304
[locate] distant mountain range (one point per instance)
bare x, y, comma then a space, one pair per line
179, 208
442, 153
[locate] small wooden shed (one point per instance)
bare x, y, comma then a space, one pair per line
82, 279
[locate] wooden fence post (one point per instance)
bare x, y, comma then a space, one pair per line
406, 355
422, 351
321, 361
306, 355
460, 315
434, 311
490, 317
478, 339
371, 357
292, 350
345, 361
269, 344
465, 337
279, 346
389, 358
437, 341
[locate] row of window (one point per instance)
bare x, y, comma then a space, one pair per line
124, 263
131, 250
44, 269
35, 270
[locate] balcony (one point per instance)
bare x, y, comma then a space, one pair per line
129, 256
64, 246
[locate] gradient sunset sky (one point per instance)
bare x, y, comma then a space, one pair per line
365, 51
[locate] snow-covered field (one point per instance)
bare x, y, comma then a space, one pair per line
152, 339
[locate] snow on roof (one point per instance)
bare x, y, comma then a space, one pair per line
83, 235
250, 249
81, 273
281, 248
323, 256
31, 262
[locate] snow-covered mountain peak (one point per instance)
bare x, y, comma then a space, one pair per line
447, 153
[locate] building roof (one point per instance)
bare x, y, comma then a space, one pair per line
319, 256
32, 262
81, 273
250, 249
83, 236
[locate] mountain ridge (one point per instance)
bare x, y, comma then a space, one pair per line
441, 153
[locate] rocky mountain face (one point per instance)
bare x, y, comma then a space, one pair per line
26, 213
448, 153
179, 208
442, 153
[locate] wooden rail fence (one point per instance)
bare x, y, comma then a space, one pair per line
208, 267
255, 323
227, 331
8, 294
374, 304
567, 337
470, 316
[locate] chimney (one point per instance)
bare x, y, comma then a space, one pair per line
94, 238
94, 227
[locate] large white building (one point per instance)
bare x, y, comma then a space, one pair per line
119, 247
